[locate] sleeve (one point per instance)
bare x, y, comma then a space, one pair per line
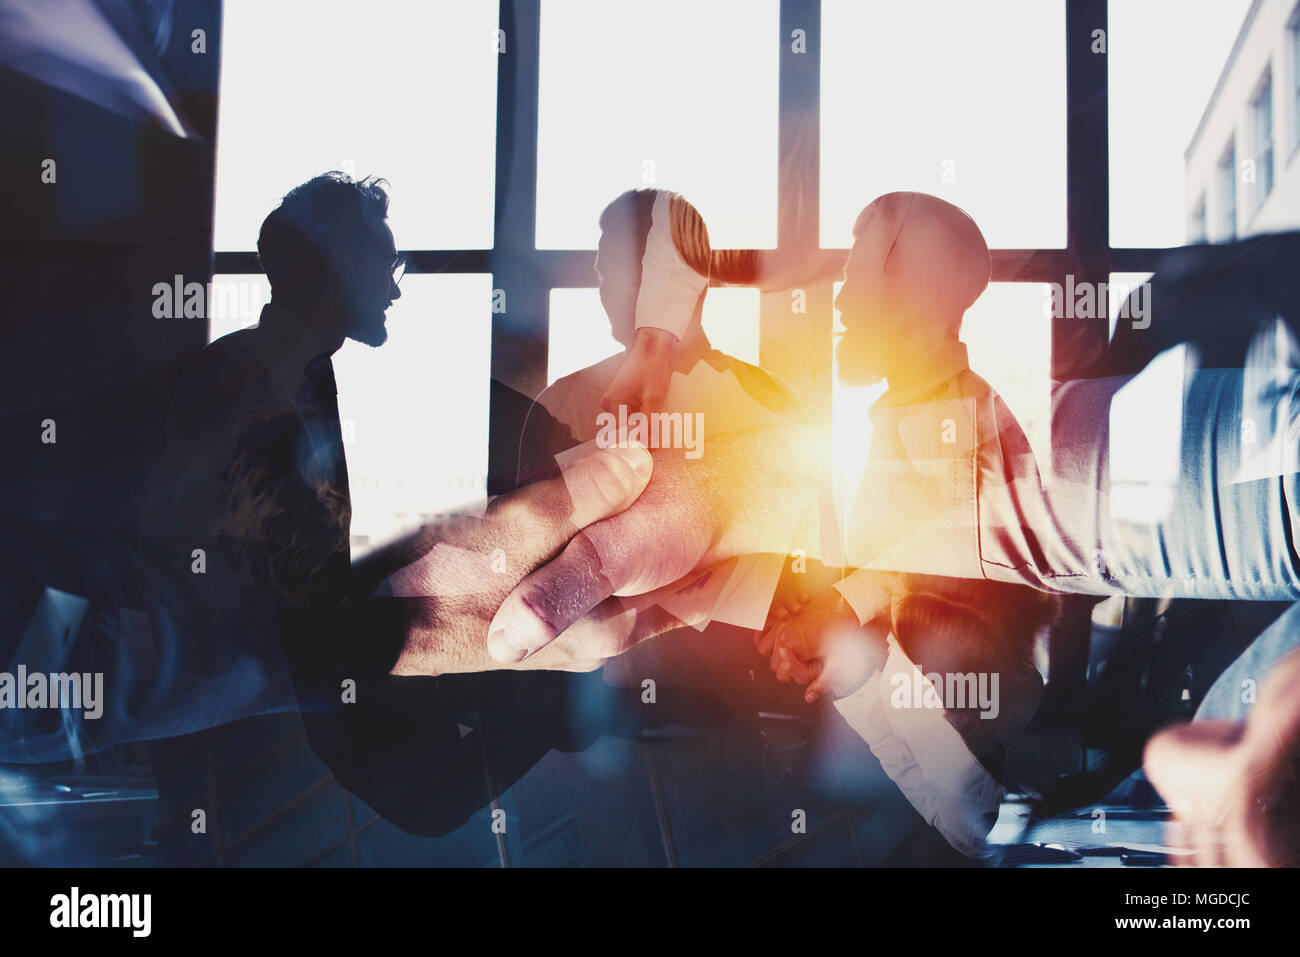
669, 288
925, 756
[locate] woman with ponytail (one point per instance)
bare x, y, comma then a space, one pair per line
655, 264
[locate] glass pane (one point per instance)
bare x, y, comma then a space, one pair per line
962, 100
406, 91
236, 303
414, 411
682, 96
730, 320
580, 334
580, 330
1164, 59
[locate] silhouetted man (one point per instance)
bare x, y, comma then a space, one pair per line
256, 436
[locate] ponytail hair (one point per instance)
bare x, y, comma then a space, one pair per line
691, 237
689, 234
953, 624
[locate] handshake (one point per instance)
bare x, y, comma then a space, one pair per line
536, 582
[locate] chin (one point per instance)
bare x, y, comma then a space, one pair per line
856, 362
373, 336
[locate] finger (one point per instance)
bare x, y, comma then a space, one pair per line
787, 640
617, 556
607, 631
818, 687
526, 527
782, 664
767, 640
798, 669
806, 672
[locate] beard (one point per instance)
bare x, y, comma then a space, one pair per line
858, 359
370, 329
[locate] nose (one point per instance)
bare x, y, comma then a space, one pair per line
395, 292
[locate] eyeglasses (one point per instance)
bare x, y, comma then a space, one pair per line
399, 268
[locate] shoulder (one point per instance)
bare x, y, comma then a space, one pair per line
996, 422
227, 375
237, 355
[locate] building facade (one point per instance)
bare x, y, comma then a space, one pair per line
1242, 165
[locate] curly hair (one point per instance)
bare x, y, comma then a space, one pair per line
295, 237
284, 524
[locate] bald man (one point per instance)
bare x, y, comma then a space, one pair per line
917, 264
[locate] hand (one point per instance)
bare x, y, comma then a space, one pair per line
1235, 787
792, 593
799, 629
642, 380
452, 591
824, 647
751, 492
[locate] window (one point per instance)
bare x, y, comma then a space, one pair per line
684, 99
1226, 177
938, 96
415, 411
1294, 35
404, 91
1261, 122
965, 101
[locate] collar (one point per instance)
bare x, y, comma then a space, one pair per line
944, 363
293, 340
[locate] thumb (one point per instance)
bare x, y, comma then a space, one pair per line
595, 486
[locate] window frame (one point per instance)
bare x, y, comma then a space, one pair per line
528, 274
1263, 142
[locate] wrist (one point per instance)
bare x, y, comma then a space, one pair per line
653, 342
